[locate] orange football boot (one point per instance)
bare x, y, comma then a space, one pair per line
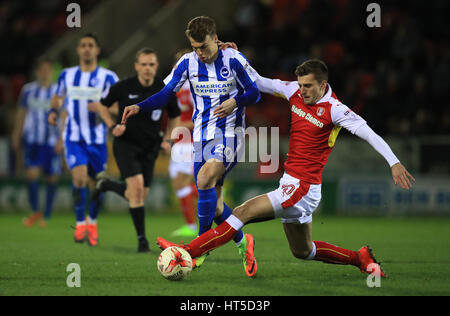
30, 220
367, 258
80, 233
248, 257
92, 233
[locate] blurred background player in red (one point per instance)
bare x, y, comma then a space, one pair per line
181, 168
42, 142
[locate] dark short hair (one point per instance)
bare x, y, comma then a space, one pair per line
201, 26
145, 51
313, 66
91, 35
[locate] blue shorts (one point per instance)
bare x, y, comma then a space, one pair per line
228, 150
94, 156
42, 156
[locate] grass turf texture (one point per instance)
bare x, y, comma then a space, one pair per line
415, 252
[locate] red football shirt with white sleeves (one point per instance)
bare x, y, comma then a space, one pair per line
314, 128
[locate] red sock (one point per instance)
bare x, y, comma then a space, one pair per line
188, 208
333, 254
211, 239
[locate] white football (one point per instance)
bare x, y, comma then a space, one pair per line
174, 263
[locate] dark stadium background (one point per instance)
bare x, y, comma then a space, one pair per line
394, 76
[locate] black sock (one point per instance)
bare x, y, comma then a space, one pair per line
117, 187
138, 216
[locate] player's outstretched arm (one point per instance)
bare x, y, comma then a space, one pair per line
277, 87
402, 176
399, 173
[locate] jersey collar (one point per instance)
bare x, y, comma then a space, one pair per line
327, 96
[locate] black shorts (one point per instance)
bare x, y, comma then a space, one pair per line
135, 159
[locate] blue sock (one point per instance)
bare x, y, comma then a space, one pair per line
220, 219
33, 191
50, 197
79, 201
94, 206
206, 208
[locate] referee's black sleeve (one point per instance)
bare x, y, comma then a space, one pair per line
113, 95
172, 108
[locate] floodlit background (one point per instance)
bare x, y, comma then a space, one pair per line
394, 76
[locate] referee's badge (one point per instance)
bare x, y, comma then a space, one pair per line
156, 115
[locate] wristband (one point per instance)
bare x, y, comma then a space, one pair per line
112, 127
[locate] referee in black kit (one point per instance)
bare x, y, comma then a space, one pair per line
136, 145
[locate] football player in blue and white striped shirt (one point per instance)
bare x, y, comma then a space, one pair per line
84, 133
40, 140
216, 77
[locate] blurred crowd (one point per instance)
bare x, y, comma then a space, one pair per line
394, 76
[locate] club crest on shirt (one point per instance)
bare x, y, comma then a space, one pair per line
320, 111
224, 72
94, 81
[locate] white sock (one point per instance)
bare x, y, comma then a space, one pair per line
184, 192
92, 221
312, 255
234, 222
192, 226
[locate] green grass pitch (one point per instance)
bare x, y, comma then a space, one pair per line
415, 252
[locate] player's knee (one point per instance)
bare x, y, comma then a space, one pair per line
243, 213
137, 193
79, 182
206, 181
301, 253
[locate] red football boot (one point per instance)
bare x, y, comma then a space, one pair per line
367, 258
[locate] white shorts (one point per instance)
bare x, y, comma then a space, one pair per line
295, 201
181, 159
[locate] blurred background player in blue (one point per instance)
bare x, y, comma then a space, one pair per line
84, 134
42, 144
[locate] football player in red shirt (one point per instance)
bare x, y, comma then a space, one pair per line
317, 115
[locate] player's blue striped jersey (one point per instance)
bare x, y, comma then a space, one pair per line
36, 100
80, 88
229, 76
